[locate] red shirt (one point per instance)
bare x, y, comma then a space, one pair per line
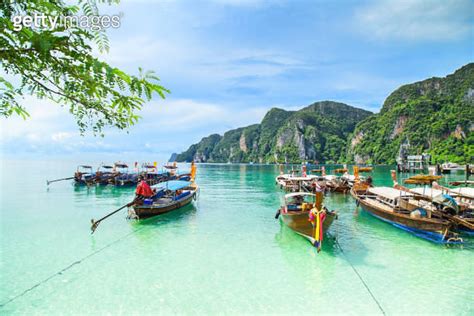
144, 189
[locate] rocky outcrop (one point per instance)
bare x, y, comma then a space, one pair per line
399, 126
316, 132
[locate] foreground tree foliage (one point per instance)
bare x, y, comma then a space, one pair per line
58, 64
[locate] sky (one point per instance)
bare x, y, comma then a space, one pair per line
227, 62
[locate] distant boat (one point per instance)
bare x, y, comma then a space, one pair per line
84, 175
123, 176
365, 169
449, 167
104, 174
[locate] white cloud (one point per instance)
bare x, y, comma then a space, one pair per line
61, 136
417, 20
188, 115
166, 126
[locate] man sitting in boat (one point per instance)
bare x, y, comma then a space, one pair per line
143, 190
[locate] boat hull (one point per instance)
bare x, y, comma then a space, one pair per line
299, 223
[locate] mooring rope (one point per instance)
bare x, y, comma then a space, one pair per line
360, 277
60, 272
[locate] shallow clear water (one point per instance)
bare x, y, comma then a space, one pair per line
224, 255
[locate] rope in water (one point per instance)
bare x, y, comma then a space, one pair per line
60, 272
360, 277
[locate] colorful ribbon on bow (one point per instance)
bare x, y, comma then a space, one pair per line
317, 218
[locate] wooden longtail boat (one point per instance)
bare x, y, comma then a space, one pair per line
84, 175
338, 185
104, 174
388, 204
291, 183
455, 205
365, 169
304, 214
122, 176
340, 170
170, 196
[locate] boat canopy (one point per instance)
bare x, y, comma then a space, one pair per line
388, 192
172, 185
120, 165
85, 166
106, 167
467, 192
429, 192
290, 195
307, 178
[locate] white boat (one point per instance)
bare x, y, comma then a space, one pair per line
448, 167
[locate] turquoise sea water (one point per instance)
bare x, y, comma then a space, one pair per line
226, 254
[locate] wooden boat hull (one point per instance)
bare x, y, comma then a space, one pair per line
145, 211
338, 187
431, 229
299, 223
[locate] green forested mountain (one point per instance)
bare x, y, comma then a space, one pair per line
434, 116
316, 132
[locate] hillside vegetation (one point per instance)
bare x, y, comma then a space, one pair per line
316, 132
435, 116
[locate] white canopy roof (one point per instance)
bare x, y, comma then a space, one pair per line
308, 178
469, 192
290, 195
388, 192
429, 192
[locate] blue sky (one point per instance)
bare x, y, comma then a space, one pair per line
229, 61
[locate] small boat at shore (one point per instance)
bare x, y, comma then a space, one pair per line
304, 214
390, 205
